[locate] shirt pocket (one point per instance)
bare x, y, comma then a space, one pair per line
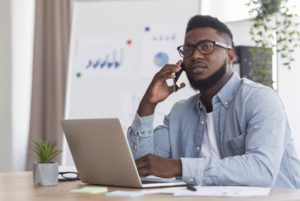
237, 144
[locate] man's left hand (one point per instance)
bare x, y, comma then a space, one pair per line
158, 166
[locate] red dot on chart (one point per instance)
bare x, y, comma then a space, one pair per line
129, 42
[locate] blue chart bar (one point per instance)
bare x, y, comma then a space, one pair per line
110, 61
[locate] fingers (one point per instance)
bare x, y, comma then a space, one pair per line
171, 68
143, 165
144, 172
158, 166
178, 63
140, 162
165, 76
168, 71
159, 88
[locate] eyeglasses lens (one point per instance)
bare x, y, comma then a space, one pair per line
206, 47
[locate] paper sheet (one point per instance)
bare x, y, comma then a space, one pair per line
127, 194
90, 190
225, 191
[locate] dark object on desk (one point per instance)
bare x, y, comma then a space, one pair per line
191, 187
68, 176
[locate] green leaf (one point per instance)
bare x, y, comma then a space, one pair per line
45, 151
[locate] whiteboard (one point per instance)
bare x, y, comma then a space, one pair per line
116, 48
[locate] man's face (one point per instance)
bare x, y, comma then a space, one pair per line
205, 69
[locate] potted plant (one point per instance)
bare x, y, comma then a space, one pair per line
275, 27
45, 171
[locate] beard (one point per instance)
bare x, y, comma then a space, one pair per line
209, 82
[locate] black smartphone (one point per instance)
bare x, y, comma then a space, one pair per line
178, 78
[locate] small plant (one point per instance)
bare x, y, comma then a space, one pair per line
45, 151
275, 28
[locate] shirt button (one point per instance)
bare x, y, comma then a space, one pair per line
202, 122
134, 147
198, 148
191, 180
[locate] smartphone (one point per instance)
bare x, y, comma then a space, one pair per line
179, 78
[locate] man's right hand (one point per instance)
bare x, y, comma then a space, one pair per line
158, 89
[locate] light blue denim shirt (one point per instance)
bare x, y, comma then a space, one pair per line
252, 134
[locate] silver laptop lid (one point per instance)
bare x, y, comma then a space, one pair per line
101, 153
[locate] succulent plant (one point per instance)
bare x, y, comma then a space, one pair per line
45, 151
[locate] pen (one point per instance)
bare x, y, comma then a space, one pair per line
191, 187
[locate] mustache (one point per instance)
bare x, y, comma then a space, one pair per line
197, 64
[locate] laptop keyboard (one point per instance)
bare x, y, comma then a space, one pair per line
151, 180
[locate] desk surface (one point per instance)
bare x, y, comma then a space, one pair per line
19, 186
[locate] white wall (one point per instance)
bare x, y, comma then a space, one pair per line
5, 86
22, 46
16, 39
288, 89
225, 10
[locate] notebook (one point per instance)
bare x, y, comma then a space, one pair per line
102, 154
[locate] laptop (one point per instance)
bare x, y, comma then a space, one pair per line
102, 155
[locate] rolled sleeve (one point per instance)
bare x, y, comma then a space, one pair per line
140, 136
143, 126
192, 170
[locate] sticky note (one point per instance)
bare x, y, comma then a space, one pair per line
90, 189
130, 194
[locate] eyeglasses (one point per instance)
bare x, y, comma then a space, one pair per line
68, 176
205, 47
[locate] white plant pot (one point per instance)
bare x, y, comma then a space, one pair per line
45, 174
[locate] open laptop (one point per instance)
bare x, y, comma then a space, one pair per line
102, 155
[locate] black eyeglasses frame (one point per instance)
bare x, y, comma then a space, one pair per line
66, 178
215, 43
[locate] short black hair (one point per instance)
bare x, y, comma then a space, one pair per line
207, 21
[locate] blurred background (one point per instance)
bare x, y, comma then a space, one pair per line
42, 43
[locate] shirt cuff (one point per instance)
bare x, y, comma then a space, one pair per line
192, 170
143, 125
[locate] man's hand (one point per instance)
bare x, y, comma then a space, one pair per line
158, 89
158, 166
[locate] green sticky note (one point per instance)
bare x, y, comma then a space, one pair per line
90, 190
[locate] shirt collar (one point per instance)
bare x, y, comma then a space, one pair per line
228, 91
226, 94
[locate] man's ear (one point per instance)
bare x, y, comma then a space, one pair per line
230, 55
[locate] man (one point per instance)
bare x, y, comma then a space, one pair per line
234, 132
